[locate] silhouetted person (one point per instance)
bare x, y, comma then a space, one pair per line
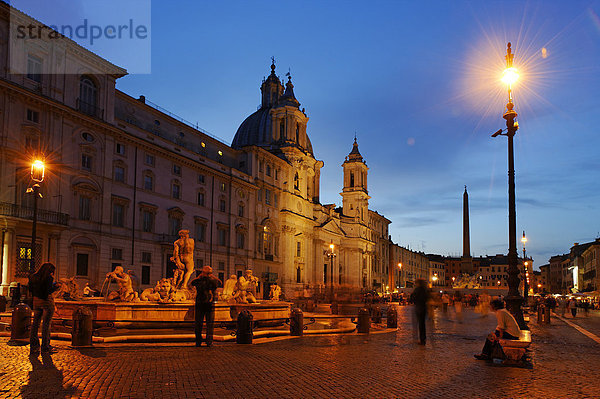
42, 285
420, 297
206, 295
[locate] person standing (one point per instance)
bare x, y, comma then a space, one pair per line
420, 297
206, 295
573, 307
42, 285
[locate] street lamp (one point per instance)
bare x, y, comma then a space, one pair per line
400, 273
37, 175
525, 264
331, 255
513, 299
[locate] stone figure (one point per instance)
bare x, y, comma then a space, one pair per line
183, 256
275, 292
164, 292
248, 284
228, 288
125, 292
69, 290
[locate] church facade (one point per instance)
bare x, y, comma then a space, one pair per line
124, 176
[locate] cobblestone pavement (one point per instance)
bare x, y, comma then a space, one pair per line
385, 365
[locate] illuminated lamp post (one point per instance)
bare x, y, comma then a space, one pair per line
525, 265
331, 255
400, 273
513, 299
37, 175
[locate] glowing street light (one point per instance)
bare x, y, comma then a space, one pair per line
37, 175
331, 255
513, 298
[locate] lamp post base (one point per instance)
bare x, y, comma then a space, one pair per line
513, 304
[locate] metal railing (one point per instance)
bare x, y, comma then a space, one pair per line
44, 216
90, 109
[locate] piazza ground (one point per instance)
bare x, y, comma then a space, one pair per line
382, 365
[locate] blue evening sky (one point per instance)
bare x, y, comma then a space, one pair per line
418, 83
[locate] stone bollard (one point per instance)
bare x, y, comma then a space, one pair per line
81, 334
364, 321
20, 325
540, 315
392, 317
297, 323
547, 315
376, 314
244, 332
334, 308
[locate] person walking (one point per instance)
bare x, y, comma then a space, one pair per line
206, 295
420, 297
42, 285
573, 307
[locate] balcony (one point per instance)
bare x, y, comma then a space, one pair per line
44, 216
90, 109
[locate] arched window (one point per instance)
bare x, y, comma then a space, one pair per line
268, 242
281, 130
297, 133
88, 93
296, 182
351, 179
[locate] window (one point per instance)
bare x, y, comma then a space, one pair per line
200, 179
259, 195
222, 237
33, 116
147, 221
241, 210
223, 187
222, 205
276, 174
120, 174
268, 170
82, 264
117, 254
268, 197
275, 199
87, 137
34, 68
176, 170
146, 257
201, 232
176, 190
86, 162
148, 182
260, 166
174, 225
298, 248
84, 208
87, 96
297, 133
120, 148
221, 266
201, 198
241, 239
298, 275
145, 275
351, 179
296, 182
118, 215
149, 159
281, 130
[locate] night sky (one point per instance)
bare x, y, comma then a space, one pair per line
418, 83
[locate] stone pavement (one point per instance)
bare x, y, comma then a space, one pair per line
385, 365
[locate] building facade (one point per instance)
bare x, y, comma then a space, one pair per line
123, 176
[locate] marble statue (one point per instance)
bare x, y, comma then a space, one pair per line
228, 288
275, 292
69, 290
164, 292
125, 292
245, 288
183, 256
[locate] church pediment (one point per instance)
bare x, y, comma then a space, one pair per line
332, 227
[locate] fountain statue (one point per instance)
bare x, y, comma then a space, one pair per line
245, 288
183, 256
275, 292
69, 290
228, 288
125, 292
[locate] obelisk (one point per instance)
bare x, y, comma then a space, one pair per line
466, 264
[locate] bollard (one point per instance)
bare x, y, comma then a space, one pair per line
540, 315
3, 303
20, 325
547, 315
297, 323
244, 333
81, 334
392, 317
364, 321
376, 314
334, 308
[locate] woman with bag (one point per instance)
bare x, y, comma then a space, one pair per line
42, 285
507, 328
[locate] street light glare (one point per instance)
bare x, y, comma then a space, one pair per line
510, 76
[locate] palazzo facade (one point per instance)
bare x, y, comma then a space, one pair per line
123, 176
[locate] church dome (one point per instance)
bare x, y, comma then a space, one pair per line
280, 108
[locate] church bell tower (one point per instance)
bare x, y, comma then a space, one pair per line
355, 196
